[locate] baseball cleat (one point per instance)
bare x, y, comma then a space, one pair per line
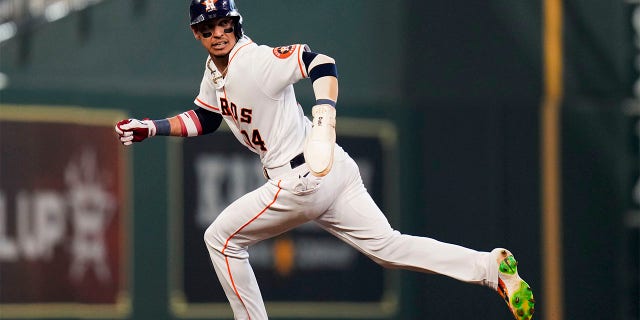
515, 291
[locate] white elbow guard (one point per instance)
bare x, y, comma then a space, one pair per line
318, 149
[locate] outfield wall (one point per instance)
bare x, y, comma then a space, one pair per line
455, 112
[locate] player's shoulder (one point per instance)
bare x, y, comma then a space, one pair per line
281, 51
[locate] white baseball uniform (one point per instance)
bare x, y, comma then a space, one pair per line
257, 101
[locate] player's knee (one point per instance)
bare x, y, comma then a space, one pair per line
215, 238
381, 251
212, 237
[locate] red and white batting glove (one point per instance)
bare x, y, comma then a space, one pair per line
134, 130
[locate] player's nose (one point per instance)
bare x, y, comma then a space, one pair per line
218, 31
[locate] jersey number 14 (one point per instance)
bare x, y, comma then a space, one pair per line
255, 140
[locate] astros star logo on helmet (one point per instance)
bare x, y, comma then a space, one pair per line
209, 4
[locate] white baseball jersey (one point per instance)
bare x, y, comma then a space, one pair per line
257, 100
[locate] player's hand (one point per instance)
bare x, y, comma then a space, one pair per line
318, 149
134, 130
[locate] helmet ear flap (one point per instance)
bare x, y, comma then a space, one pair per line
237, 28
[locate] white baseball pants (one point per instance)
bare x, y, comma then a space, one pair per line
340, 204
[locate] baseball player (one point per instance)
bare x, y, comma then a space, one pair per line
309, 177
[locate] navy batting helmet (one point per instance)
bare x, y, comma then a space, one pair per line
202, 10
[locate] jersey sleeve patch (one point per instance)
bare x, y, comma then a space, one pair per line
284, 51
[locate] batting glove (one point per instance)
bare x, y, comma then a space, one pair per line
134, 130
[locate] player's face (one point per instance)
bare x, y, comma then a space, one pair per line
216, 35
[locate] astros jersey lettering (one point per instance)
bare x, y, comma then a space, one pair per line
258, 102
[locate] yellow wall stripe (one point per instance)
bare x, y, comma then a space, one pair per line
551, 192
60, 114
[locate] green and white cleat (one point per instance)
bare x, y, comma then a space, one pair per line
515, 291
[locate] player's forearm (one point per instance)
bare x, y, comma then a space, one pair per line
326, 90
188, 124
319, 146
324, 76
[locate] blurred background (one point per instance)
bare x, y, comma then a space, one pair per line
481, 123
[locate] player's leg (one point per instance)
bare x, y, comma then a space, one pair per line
357, 220
264, 213
360, 223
